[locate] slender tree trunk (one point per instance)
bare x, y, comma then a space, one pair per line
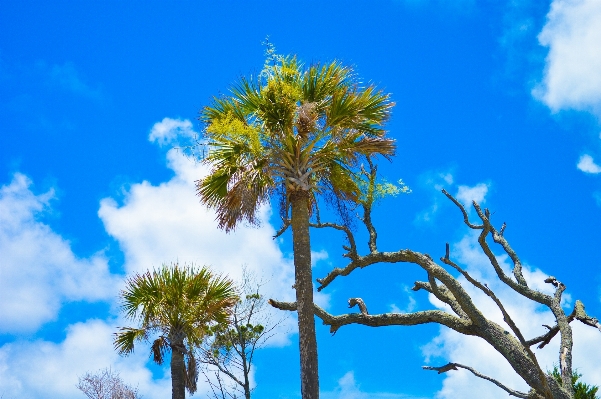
245, 363
178, 387
304, 295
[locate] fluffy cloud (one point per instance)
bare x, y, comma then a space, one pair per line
572, 76
43, 369
170, 130
39, 269
155, 224
166, 223
349, 389
529, 317
467, 194
587, 165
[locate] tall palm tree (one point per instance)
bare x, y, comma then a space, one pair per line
298, 132
178, 304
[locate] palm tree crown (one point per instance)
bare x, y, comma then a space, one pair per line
178, 304
296, 128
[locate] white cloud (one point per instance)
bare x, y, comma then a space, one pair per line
349, 389
572, 76
43, 369
169, 130
166, 223
317, 256
38, 268
588, 165
467, 194
529, 317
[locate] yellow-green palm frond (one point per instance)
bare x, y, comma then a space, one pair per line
363, 110
342, 183
320, 81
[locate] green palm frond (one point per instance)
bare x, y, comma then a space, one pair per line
126, 338
321, 81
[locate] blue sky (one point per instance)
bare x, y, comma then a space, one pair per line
498, 101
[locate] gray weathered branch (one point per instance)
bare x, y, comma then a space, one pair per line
358, 301
385, 319
454, 366
352, 248
282, 230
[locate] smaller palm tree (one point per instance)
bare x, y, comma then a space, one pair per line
178, 304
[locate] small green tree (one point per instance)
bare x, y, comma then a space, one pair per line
179, 304
581, 390
230, 349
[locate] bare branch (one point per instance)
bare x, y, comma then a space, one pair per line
581, 315
282, 229
386, 319
469, 320
519, 285
484, 288
454, 366
106, 384
367, 204
545, 338
443, 293
358, 301
352, 249
517, 264
466, 219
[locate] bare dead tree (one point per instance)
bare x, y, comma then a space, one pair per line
230, 350
465, 318
106, 384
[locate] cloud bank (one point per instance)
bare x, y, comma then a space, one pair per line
39, 271
572, 75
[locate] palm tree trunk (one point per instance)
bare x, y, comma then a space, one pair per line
178, 386
304, 295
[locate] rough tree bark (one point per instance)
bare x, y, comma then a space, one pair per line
178, 385
466, 317
304, 294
